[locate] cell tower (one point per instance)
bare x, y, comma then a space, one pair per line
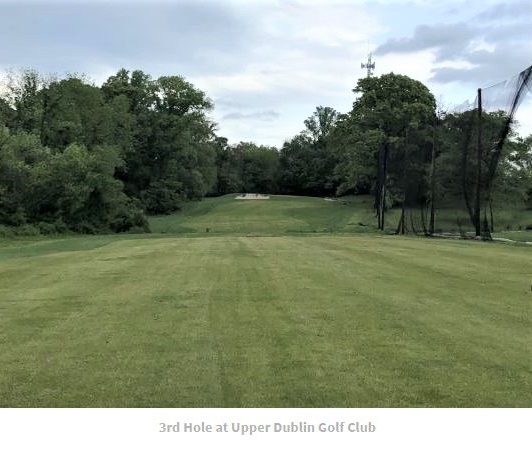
370, 66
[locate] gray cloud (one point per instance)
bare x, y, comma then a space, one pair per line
268, 115
450, 37
186, 35
488, 67
506, 10
493, 52
247, 56
250, 56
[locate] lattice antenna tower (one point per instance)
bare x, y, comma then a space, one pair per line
370, 65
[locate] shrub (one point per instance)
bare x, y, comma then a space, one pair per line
18, 218
86, 228
138, 230
129, 215
162, 197
46, 228
60, 226
27, 230
6, 232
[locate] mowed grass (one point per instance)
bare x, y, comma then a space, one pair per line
282, 215
271, 321
274, 216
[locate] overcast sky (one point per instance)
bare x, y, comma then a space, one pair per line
268, 64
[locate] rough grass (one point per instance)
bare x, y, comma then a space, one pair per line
286, 321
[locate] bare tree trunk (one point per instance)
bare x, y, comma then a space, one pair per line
424, 223
401, 225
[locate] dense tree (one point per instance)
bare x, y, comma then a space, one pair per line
74, 156
320, 124
246, 167
229, 168
25, 98
75, 112
389, 129
307, 162
169, 144
19, 154
7, 114
517, 170
260, 166
466, 185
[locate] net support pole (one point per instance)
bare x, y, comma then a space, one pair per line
433, 179
383, 192
479, 161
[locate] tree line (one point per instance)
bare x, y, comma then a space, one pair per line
399, 146
83, 158
79, 157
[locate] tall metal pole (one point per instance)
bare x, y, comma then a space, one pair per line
383, 188
433, 179
479, 160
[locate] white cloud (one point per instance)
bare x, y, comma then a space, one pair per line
306, 54
416, 65
285, 56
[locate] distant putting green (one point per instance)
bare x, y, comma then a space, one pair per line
272, 321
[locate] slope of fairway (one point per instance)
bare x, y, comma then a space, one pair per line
236, 321
281, 215
277, 215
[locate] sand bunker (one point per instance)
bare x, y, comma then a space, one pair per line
252, 196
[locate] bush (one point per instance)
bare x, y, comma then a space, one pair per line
138, 230
162, 197
85, 228
18, 218
6, 232
60, 226
55, 228
46, 228
129, 215
27, 230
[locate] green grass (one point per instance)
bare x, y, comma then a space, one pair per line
275, 216
239, 320
525, 236
281, 215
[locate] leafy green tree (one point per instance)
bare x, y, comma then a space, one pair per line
77, 186
20, 152
294, 162
260, 166
175, 96
167, 140
307, 161
24, 96
133, 98
7, 114
502, 173
320, 124
229, 168
74, 112
357, 167
392, 117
